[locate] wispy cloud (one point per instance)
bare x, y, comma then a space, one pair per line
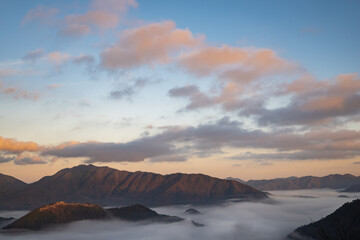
40, 13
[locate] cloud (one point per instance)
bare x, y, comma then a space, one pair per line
11, 145
27, 159
132, 87
33, 55
213, 137
314, 102
242, 76
134, 151
40, 13
18, 93
102, 15
123, 93
75, 30
58, 57
113, 5
197, 98
311, 101
236, 64
54, 85
87, 59
179, 143
4, 159
169, 158
147, 45
8, 72
79, 25
228, 221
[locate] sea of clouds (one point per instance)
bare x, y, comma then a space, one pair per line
270, 220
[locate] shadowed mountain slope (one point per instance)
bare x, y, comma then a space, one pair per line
8, 183
344, 223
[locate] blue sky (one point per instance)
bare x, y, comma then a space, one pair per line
197, 77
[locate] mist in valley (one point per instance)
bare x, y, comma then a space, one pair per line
270, 220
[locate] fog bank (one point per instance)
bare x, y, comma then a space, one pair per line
228, 221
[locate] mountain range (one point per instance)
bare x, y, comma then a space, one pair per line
333, 181
110, 187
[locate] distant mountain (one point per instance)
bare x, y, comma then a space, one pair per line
192, 211
334, 181
61, 212
8, 183
344, 223
353, 188
109, 187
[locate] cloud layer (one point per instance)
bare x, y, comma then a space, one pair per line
250, 221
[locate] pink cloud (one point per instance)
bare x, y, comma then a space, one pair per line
58, 57
149, 44
97, 18
75, 30
103, 14
113, 5
235, 64
39, 13
18, 93
13, 146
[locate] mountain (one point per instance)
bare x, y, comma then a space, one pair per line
61, 212
344, 223
109, 187
334, 181
192, 211
8, 183
353, 188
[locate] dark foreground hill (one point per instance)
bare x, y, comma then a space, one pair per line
60, 212
108, 187
344, 224
334, 181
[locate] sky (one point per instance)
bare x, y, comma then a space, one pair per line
247, 89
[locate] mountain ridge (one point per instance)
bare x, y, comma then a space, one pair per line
108, 187
333, 181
